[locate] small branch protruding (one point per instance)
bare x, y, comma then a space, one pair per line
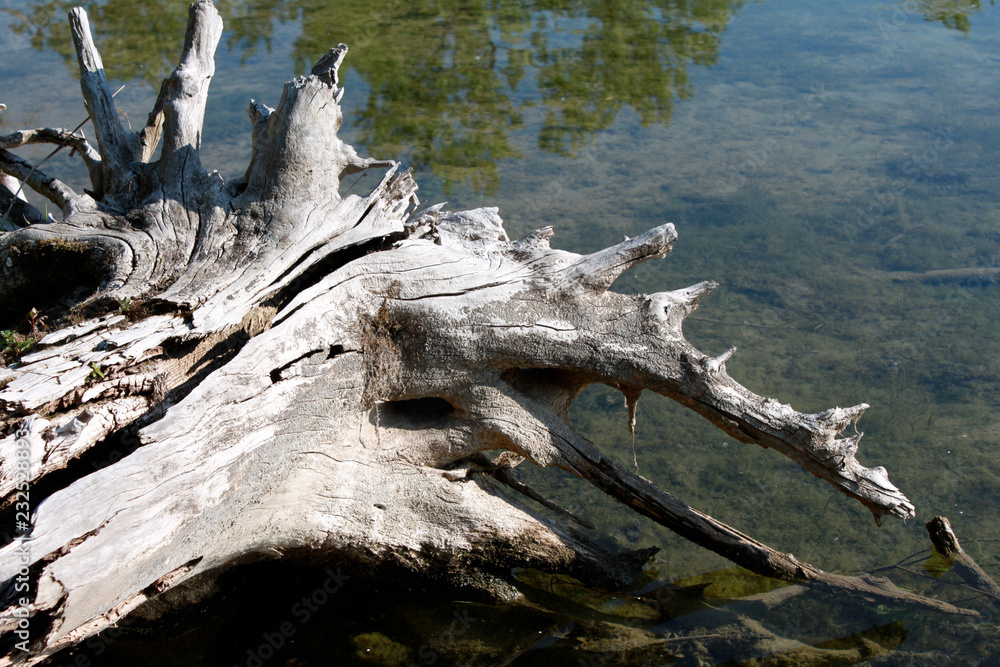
716, 365
51, 188
187, 87
17, 211
670, 308
502, 474
116, 145
597, 271
327, 67
837, 419
48, 135
359, 164
689, 297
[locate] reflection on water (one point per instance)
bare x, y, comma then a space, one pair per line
818, 163
952, 13
451, 88
122, 29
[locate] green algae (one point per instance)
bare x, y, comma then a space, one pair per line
572, 589
375, 648
733, 582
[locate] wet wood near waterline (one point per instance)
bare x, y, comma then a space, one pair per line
947, 546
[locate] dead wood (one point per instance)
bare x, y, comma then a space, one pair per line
317, 376
947, 546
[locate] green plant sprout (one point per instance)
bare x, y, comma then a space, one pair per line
14, 345
37, 321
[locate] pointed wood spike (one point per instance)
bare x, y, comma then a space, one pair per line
851, 444
690, 296
597, 271
670, 308
837, 419
328, 67
632, 395
846, 449
186, 91
112, 139
537, 240
716, 365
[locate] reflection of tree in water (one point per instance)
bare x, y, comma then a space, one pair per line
952, 13
125, 31
448, 80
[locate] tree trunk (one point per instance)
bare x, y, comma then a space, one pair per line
285, 372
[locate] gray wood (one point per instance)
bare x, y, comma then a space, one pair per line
323, 375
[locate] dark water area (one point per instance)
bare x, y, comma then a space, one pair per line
819, 159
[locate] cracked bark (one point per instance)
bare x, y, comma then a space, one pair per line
318, 376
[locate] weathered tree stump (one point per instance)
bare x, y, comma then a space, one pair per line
319, 376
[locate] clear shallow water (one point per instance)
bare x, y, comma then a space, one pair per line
809, 154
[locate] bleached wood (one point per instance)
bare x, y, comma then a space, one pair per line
115, 144
187, 89
55, 444
46, 377
46, 135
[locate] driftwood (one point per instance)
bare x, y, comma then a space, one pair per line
947, 546
286, 372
